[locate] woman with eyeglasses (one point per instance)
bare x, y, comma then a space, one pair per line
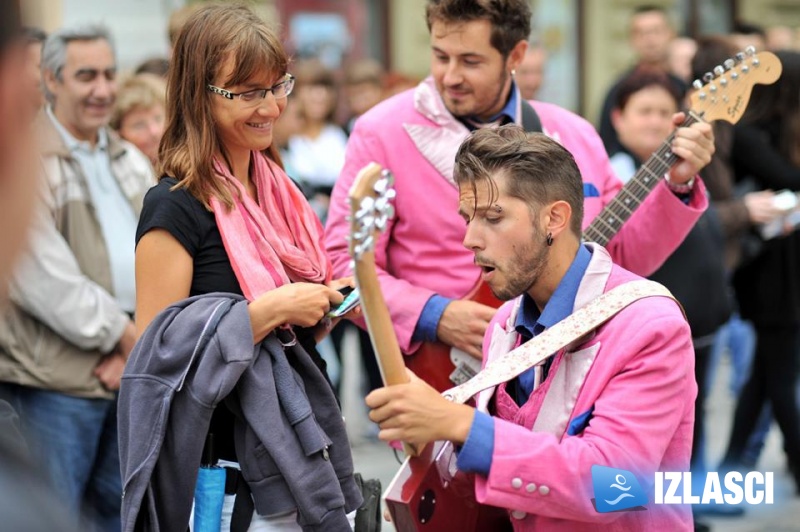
237, 360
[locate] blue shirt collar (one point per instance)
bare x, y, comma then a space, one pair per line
510, 110
530, 322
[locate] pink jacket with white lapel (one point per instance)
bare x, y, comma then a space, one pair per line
420, 254
637, 373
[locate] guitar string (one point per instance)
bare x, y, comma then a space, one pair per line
621, 207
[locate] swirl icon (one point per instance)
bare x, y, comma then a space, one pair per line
616, 489
620, 482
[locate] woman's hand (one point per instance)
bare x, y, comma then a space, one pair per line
338, 284
301, 304
305, 304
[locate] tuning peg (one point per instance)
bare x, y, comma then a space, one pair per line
750, 50
708, 77
756, 62
718, 70
728, 64
739, 57
381, 185
723, 82
388, 176
697, 84
381, 203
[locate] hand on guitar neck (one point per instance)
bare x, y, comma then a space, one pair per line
463, 325
694, 146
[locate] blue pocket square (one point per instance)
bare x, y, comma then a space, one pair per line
580, 422
590, 191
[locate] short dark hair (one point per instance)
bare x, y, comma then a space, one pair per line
748, 28
642, 78
538, 169
32, 35
9, 22
510, 19
648, 8
158, 66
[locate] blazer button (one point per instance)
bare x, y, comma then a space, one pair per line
518, 514
544, 490
516, 483
530, 488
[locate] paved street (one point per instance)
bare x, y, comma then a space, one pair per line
374, 459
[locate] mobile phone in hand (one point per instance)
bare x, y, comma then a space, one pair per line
351, 300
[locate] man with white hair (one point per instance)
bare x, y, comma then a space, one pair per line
65, 338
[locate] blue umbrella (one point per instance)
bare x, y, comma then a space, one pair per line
209, 492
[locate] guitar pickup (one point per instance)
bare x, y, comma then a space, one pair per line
462, 374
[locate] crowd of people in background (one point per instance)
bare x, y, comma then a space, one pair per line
104, 256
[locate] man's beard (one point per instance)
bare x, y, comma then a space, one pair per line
476, 111
524, 269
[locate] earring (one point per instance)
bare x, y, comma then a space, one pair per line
513, 72
549, 239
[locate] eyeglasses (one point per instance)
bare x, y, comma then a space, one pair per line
279, 90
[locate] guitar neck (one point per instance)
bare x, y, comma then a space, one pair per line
616, 213
381, 331
379, 322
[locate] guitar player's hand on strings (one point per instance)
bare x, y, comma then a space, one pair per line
463, 325
694, 145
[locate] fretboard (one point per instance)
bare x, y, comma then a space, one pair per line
610, 220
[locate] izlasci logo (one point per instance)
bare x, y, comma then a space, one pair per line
734, 488
616, 489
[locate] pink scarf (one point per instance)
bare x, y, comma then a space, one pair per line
275, 241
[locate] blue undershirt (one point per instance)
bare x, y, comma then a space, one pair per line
476, 454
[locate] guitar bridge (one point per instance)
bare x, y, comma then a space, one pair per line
462, 374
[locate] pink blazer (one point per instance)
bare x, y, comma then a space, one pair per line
421, 253
640, 383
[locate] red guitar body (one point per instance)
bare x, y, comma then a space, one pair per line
431, 362
430, 494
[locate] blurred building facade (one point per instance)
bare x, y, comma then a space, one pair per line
586, 40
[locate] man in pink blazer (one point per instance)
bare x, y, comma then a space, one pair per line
620, 397
424, 271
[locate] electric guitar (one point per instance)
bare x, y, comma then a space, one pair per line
723, 96
428, 493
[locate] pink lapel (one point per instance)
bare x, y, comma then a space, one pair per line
437, 143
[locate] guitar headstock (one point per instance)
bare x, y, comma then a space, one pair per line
370, 207
723, 94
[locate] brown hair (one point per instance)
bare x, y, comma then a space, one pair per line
312, 71
211, 35
364, 71
178, 18
158, 66
143, 91
510, 19
643, 78
538, 169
